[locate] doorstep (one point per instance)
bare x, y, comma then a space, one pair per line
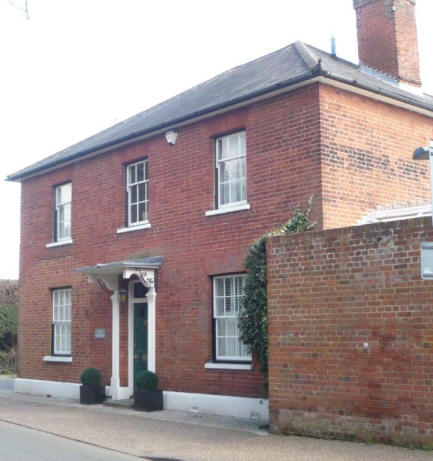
126, 403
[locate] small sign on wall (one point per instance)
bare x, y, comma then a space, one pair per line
427, 260
99, 333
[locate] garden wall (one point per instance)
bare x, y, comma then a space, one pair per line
351, 333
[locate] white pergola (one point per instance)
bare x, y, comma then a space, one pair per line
108, 276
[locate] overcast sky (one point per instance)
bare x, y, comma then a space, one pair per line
78, 66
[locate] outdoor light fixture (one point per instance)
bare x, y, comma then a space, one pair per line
426, 153
171, 137
123, 295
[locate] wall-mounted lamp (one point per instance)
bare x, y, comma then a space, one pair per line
123, 294
426, 153
171, 137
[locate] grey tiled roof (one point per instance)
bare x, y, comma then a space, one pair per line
117, 267
282, 68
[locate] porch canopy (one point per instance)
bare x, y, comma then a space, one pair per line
107, 274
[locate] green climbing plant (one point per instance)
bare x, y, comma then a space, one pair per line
253, 324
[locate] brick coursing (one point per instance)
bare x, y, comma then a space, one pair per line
366, 157
351, 333
282, 170
387, 37
314, 140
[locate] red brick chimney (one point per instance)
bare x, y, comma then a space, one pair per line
387, 39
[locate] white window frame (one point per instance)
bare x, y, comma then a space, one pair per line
61, 321
129, 185
216, 316
219, 144
67, 212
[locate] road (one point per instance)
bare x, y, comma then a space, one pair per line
22, 444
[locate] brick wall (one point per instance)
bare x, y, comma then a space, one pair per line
282, 170
351, 333
366, 157
296, 146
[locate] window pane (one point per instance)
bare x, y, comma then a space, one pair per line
228, 286
133, 213
233, 145
133, 192
221, 327
225, 193
219, 286
231, 347
142, 192
220, 306
131, 174
225, 173
140, 172
146, 170
219, 149
66, 193
232, 327
142, 211
221, 350
235, 191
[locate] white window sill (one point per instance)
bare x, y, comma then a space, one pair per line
60, 243
232, 209
57, 358
228, 366
145, 225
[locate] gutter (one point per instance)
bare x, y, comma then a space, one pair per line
271, 90
317, 74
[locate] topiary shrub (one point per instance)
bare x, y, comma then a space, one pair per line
91, 377
146, 381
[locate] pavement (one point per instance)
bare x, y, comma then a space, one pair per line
180, 436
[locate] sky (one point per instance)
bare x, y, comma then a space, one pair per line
78, 66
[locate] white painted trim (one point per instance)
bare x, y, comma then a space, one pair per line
59, 243
151, 330
224, 405
145, 225
245, 206
55, 358
115, 346
228, 366
52, 388
130, 338
396, 214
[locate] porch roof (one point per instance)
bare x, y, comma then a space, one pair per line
117, 267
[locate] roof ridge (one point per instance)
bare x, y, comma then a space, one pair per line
308, 59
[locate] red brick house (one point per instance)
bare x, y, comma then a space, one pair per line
160, 210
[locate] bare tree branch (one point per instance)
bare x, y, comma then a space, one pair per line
24, 8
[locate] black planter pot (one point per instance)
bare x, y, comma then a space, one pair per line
91, 394
148, 400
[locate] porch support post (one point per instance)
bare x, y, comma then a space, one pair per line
115, 377
151, 298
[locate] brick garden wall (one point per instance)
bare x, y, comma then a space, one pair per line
351, 333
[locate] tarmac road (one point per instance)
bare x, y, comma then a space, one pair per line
22, 444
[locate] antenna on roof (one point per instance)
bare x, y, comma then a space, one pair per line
333, 46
